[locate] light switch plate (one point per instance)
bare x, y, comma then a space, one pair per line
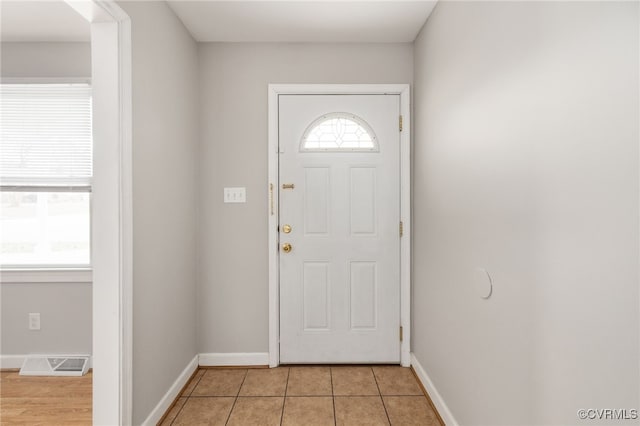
235, 195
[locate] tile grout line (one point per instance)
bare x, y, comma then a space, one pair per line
231, 396
197, 383
178, 413
380, 395
284, 398
333, 396
246, 372
188, 396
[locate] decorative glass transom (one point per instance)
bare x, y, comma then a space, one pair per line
339, 131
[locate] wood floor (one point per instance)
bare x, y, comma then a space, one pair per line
30, 400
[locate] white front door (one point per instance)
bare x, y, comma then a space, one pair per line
339, 210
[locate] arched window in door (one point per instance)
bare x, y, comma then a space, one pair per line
339, 132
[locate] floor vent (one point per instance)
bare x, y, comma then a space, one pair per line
55, 365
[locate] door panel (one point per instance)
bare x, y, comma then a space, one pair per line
340, 283
316, 309
363, 297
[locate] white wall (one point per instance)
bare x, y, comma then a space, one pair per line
526, 164
233, 268
65, 308
165, 137
36, 60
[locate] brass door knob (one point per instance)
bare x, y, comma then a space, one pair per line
286, 247
286, 229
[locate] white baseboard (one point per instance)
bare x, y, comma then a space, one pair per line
233, 359
16, 361
436, 398
11, 361
168, 398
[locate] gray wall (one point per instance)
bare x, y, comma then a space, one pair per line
165, 138
65, 308
65, 318
233, 268
526, 164
35, 60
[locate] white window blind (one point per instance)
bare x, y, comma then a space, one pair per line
45, 135
45, 175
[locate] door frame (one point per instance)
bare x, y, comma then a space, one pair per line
274, 91
112, 207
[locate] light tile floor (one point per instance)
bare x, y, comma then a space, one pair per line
303, 396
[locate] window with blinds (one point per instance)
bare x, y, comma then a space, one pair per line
45, 175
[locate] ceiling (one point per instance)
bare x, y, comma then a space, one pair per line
328, 21
303, 21
41, 21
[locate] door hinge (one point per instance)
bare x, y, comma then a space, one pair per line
400, 123
401, 228
401, 333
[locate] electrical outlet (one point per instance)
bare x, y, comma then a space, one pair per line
34, 321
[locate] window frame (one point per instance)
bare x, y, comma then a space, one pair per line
49, 273
339, 115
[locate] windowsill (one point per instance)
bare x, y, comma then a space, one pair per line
53, 275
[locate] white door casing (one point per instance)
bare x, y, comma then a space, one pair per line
112, 219
344, 286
